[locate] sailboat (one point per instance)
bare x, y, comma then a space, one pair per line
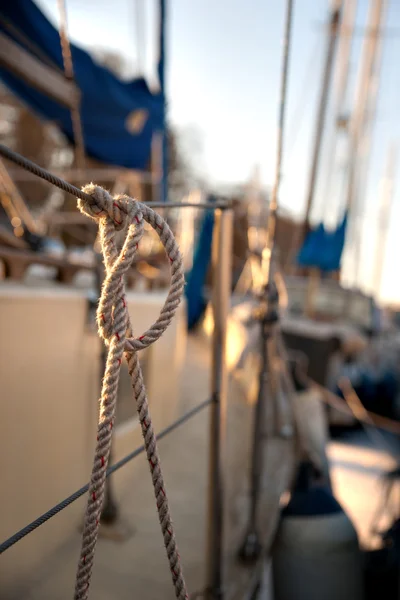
324, 319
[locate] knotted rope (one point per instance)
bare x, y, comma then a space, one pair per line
114, 326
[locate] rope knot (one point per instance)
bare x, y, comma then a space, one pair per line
121, 209
115, 214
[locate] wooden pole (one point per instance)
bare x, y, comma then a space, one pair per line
77, 128
15, 198
344, 52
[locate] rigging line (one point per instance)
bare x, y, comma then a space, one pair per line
33, 168
337, 402
296, 122
362, 415
273, 206
19, 535
77, 128
30, 166
376, 436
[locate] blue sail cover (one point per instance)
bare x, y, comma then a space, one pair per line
106, 102
323, 249
196, 278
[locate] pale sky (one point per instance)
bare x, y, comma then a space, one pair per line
223, 67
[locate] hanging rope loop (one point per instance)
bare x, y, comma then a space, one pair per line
128, 216
116, 214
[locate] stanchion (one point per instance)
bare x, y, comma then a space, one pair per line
267, 315
221, 292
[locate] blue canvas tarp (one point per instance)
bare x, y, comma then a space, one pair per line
323, 249
106, 102
196, 278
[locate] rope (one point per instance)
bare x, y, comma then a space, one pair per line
32, 167
46, 175
361, 414
299, 111
328, 397
340, 404
115, 329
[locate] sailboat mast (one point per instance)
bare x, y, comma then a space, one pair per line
361, 124
370, 55
334, 24
273, 206
341, 79
385, 209
344, 52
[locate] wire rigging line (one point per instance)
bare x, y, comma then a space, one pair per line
362, 415
46, 175
19, 535
297, 119
30, 166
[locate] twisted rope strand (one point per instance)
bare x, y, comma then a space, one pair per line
113, 214
156, 474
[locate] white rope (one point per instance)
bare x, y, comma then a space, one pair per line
113, 214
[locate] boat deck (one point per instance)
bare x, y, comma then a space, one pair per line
138, 567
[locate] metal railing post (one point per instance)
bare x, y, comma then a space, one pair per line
251, 547
221, 293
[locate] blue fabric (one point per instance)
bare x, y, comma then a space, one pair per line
106, 101
195, 280
323, 249
309, 499
315, 502
377, 392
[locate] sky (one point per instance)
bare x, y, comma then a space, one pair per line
223, 73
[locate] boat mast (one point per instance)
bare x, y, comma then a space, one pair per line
385, 209
273, 206
363, 117
344, 53
334, 24
341, 95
